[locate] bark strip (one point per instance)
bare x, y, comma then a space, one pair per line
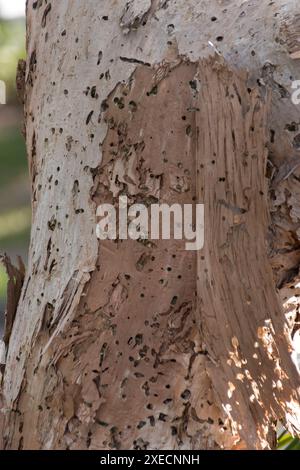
240, 313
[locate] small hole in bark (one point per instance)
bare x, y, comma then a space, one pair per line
167, 401
119, 102
272, 136
296, 142
141, 424
188, 130
153, 91
186, 395
100, 55
104, 105
133, 106
292, 127
152, 420
170, 28
162, 417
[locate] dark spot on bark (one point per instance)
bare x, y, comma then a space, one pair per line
138, 339
188, 130
296, 142
272, 136
152, 420
162, 417
89, 117
153, 91
186, 395
170, 28
45, 14
100, 55
104, 106
69, 143
52, 223
292, 127
141, 424
134, 61
119, 102
94, 93
132, 106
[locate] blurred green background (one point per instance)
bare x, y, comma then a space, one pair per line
15, 216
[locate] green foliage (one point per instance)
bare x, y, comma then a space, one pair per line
12, 155
15, 215
15, 228
3, 282
287, 442
12, 48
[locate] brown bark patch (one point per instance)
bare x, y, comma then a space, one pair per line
14, 288
241, 317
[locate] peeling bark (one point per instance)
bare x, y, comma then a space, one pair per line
145, 345
14, 288
244, 329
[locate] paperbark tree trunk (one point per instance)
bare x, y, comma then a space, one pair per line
134, 345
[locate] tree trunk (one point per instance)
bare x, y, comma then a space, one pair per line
143, 345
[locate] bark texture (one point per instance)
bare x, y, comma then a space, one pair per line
145, 345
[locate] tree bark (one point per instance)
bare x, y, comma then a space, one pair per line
144, 345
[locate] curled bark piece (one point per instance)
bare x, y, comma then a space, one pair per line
14, 288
